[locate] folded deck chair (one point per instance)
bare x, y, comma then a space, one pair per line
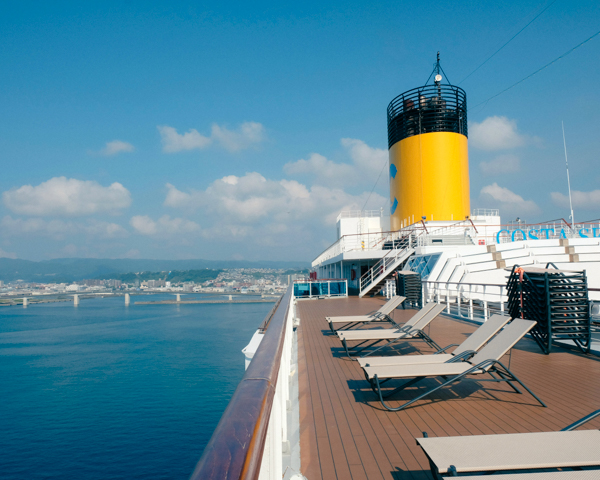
381, 315
463, 351
411, 330
515, 451
487, 361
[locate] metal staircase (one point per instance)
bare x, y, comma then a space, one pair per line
374, 279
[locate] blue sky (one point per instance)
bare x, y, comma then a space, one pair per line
240, 130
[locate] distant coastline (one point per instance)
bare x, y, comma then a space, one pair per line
62, 270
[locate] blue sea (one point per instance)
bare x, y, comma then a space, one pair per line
104, 391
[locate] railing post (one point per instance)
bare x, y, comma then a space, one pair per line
501, 299
458, 300
447, 298
485, 305
470, 302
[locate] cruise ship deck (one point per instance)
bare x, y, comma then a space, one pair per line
345, 433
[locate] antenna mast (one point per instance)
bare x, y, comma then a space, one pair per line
568, 179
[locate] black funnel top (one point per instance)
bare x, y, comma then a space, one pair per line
431, 108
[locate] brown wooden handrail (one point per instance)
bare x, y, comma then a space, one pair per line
235, 449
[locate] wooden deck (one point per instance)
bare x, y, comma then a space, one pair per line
346, 434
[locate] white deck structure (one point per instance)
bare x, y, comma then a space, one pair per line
474, 251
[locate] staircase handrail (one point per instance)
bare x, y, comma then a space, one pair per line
339, 246
393, 254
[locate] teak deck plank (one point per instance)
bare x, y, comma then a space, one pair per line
346, 434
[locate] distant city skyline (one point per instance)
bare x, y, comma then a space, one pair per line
240, 131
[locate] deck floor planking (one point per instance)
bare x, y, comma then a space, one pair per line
346, 434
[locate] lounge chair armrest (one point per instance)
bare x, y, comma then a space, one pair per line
442, 350
462, 356
404, 329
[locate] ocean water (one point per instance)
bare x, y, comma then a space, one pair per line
104, 391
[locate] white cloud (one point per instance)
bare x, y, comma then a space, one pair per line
502, 164
5, 254
363, 156
116, 146
248, 134
60, 229
509, 202
324, 170
56, 229
495, 133
164, 226
366, 162
242, 206
585, 200
104, 229
67, 197
174, 142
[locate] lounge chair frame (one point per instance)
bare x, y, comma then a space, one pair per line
490, 367
536, 472
414, 334
464, 351
410, 331
376, 316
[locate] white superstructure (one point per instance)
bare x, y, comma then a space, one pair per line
477, 250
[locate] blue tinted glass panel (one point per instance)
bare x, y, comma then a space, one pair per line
301, 290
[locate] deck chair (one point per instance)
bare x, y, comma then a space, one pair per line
558, 475
515, 451
521, 451
464, 351
487, 361
411, 330
381, 315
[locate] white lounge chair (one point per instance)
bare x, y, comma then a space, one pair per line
381, 315
520, 451
487, 361
411, 330
515, 451
463, 351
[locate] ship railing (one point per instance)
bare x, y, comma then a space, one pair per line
407, 238
486, 212
252, 435
355, 242
469, 301
462, 227
359, 214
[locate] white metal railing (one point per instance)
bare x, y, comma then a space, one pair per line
383, 267
360, 214
486, 212
350, 243
458, 228
277, 441
473, 301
